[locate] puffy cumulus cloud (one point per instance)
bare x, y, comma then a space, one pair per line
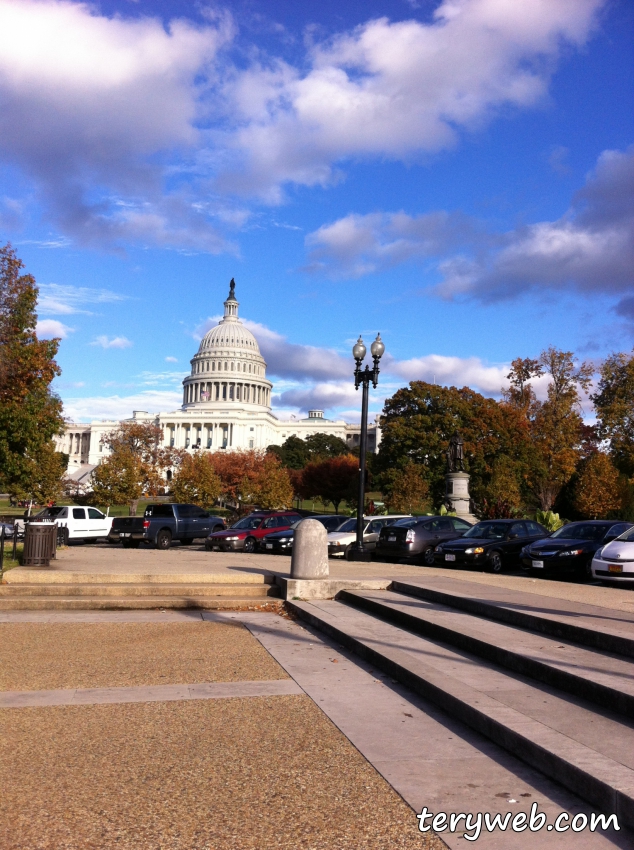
65, 300
117, 407
51, 328
591, 248
360, 244
450, 371
171, 359
92, 109
104, 341
124, 125
396, 89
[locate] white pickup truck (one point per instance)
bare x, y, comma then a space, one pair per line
77, 522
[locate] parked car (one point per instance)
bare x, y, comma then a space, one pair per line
492, 544
281, 542
243, 536
572, 547
340, 542
77, 522
162, 524
614, 562
415, 538
8, 529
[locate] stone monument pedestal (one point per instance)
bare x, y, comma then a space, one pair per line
457, 494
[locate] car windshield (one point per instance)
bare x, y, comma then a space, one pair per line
248, 522
407, 522
580, 531
296, 523
627, 535
488, 531
350, 525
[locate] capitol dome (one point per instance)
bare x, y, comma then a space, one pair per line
228, 366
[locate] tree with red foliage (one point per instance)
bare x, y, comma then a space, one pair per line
331, 480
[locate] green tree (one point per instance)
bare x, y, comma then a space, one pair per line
293, 453
598, 493
419, 420
408, 491
196, 482
614, 405
520, 394
30, 413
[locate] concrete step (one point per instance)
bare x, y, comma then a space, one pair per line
589, 751
590, 625
12, 591
44, 575
595, 676
121, 603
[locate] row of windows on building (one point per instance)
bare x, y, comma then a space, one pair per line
221, 391
226, 366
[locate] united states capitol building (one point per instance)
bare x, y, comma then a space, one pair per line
226, 405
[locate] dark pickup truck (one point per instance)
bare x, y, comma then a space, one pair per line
161, 524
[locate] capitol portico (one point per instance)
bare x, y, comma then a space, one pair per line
226, 405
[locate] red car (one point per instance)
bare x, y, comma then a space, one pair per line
244, 534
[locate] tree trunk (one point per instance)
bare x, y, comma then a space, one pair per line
134, 504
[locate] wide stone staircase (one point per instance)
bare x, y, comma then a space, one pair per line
43, 590
549, 681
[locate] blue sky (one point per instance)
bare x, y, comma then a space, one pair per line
457, 175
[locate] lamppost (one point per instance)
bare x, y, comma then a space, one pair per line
362, 377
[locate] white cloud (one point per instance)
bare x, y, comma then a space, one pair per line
357, 245
92, 109
65, 300
591, 248
450, 371
50, 328
122, 124
120, 407
171, 360
397, 89
116, 342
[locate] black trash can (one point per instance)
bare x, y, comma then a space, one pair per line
40, 541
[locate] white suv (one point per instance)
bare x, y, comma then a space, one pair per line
340, 541
77, 522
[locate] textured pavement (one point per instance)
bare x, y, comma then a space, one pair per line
212, 770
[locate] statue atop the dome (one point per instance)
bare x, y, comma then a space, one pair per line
232, 290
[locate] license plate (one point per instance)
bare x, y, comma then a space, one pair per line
615, 568
269, 545
125, 534
537, 565
391, 539
450, 557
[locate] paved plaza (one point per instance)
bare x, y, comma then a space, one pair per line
211, 730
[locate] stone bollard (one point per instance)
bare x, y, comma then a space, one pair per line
310, 550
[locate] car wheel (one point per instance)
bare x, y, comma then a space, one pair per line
495, 562
164, 539
249, 544
218, 528
587, 571
428, 557
65, 536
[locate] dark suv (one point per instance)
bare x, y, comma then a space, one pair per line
415, 538
243, 535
